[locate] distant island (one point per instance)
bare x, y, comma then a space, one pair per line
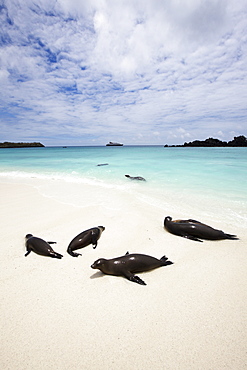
238, 141
8, 144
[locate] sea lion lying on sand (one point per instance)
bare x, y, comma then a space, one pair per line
90, 236
40, 247
194, 230
127, 265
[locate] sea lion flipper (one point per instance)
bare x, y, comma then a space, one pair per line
165, 262
133, 278
191, 237
137, 280
56, 255
52, 242
95, 237
28, 252
73, 254
196, 222
230, 236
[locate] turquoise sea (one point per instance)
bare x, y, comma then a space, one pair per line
219, 173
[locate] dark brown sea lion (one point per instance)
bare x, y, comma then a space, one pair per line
135, 178
129, 264
40, 246
194, 230
90, 236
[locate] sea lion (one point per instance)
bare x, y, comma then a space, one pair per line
40, 246
194, 230
135, 178
127, 265
90, 236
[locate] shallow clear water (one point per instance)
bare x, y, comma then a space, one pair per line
216, 171
204, 183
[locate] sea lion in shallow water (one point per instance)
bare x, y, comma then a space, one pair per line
40, 246
127, 265
90, 236
135, 178
194, 230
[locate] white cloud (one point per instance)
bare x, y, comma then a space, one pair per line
150, 70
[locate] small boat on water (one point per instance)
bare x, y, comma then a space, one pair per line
111, 143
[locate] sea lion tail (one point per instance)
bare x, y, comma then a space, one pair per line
73, 254
56, 255
165, 262
233, 237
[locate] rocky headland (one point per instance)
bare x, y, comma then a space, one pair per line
238, 141
8, 144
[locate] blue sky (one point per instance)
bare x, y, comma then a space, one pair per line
85, 72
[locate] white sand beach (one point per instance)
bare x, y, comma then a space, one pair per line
61, 314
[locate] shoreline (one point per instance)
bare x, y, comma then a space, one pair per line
61, 314
218, 210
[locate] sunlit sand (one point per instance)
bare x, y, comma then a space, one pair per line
61, 314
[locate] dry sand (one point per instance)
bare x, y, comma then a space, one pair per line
61, 314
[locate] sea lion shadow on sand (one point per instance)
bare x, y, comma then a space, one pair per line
97, 275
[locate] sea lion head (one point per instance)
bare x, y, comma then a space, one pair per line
102, 228
168, 219
28, 236
99, 264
